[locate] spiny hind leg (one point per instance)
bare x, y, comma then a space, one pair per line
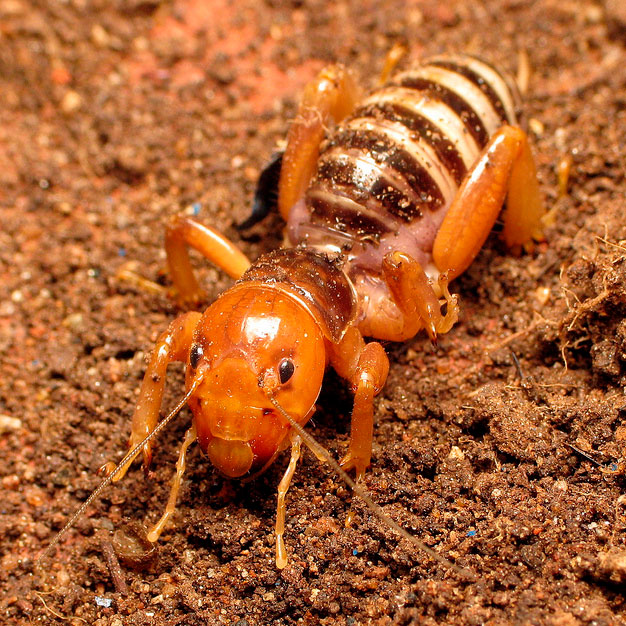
283, 487
366, 367
173, 345
184, 232
330, 96
505, 169
417, 298
157, 529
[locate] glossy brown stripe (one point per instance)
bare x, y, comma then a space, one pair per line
479, 81
338, 210
445, 149
377, 144
393, 156
464, 110
345, 173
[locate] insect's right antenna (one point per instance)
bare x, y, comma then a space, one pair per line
321, 453
129, 457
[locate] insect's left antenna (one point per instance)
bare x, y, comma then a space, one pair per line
323, 454
128, 458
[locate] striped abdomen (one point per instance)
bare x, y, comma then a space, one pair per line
388, 173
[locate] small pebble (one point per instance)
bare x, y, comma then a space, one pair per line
100, 36
536, 126
132, 546
542, 295
8, 423
71, 102
456, 453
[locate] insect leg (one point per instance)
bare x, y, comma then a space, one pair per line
157, 529
172, 345
524, 203
392, 58
184, 232
366, 367
283, 487
505, 168
416, 298
331, 96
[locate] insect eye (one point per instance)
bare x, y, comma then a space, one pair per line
195, 355
286, 369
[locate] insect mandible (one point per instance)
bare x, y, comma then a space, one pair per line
382, 213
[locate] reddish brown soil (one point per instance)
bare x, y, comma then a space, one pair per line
114, 116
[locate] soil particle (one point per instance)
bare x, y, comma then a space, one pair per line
502, 448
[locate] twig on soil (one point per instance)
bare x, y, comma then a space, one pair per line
517, 335
583, 454
617, 245
114, 567
546, 386
586, 306
39, 594
518, 367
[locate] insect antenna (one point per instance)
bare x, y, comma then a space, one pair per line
321, 453
128, 458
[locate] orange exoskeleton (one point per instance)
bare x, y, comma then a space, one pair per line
382, 213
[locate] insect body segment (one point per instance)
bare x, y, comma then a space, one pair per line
421, 167
264, 343
261, 337
397, 161
381, 214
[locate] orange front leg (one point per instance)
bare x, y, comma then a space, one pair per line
173, 345
504, 169
283, 487
330, 97
366, 367
181, 464
416, 298
184, 232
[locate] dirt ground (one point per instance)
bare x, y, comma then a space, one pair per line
502, 448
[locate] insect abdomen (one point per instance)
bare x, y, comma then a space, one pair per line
399, 159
